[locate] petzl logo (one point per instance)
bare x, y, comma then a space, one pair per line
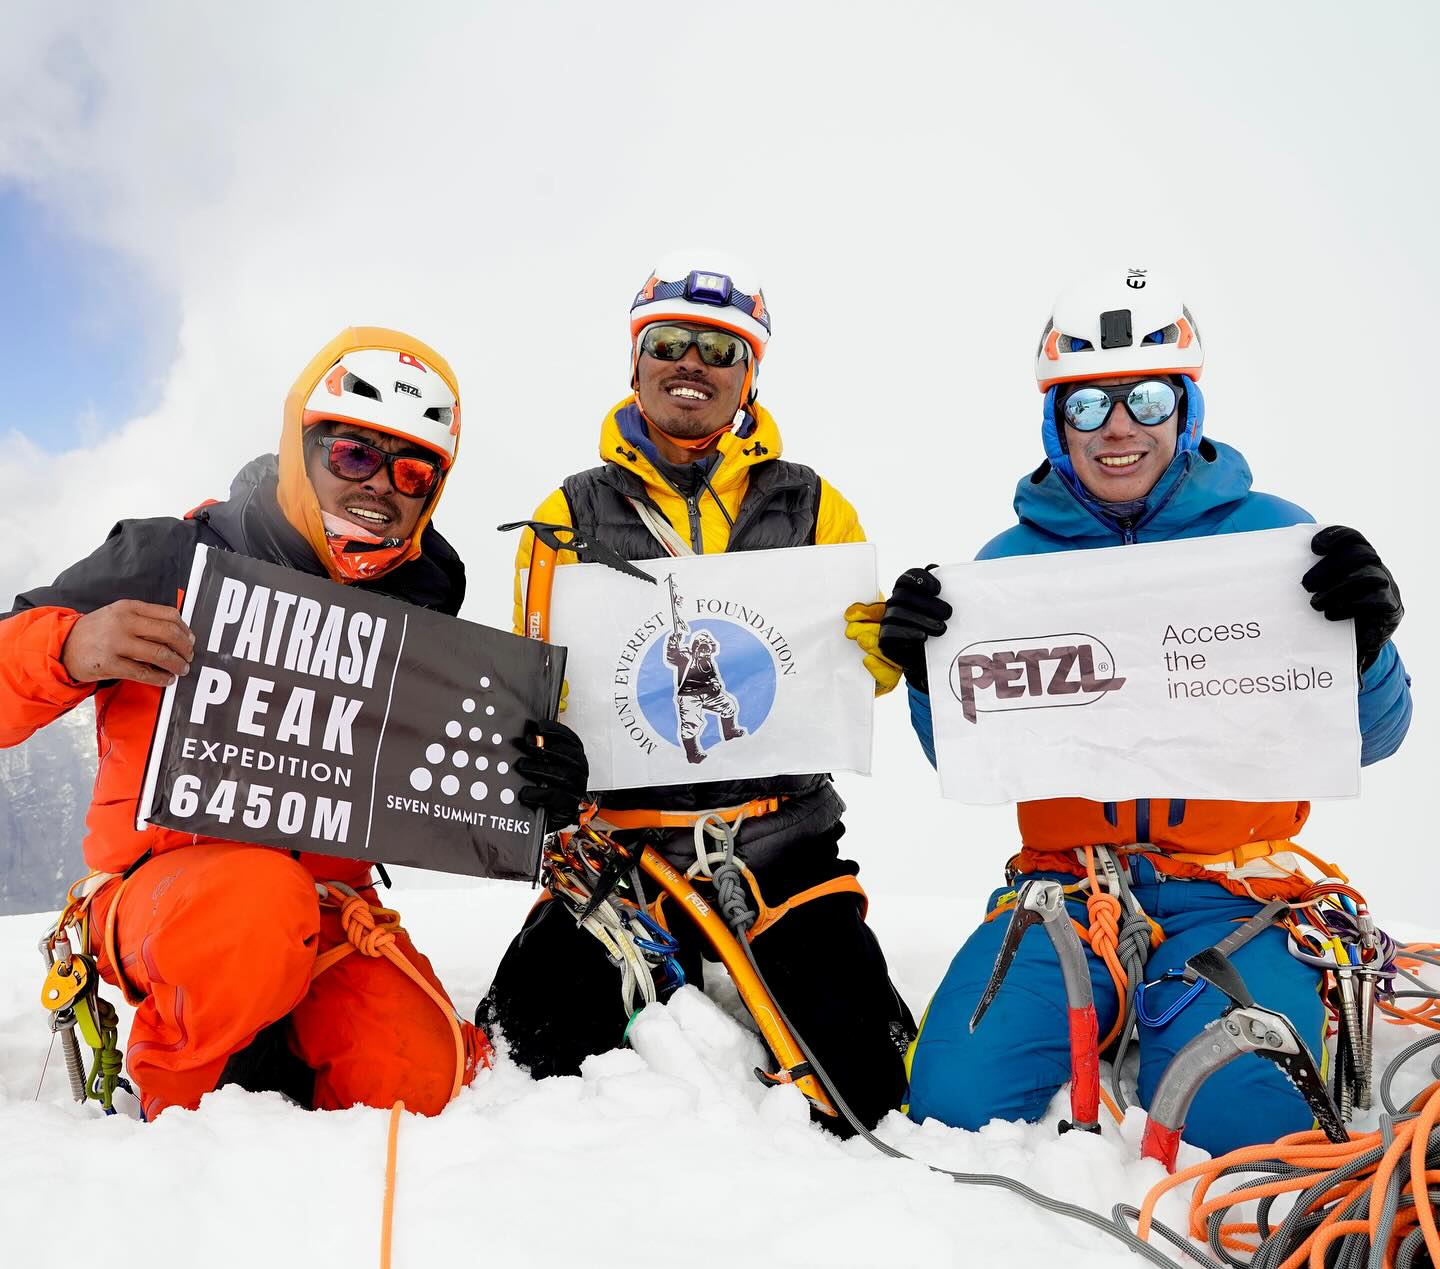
1035, 672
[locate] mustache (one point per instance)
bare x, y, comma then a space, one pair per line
694, 378
371, 502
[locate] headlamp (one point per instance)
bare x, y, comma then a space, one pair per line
708, 288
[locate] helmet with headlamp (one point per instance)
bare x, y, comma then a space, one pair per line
704, 288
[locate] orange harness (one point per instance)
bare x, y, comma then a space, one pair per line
768, 915
1288, 884
609, 819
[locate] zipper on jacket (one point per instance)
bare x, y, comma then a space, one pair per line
697, 541
1142, 819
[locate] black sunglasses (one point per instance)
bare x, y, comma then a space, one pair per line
717, 347
354, 460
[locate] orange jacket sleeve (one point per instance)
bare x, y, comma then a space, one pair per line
34, 686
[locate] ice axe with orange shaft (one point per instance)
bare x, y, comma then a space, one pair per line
1043, 902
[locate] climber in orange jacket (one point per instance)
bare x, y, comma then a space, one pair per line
215, 942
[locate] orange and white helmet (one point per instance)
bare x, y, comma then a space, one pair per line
394, 390
1121, 322
708, 288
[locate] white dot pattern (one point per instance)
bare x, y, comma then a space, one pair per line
423, 779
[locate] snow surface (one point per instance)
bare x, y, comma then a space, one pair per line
666, 1153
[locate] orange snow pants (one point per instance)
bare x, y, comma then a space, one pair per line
217, 941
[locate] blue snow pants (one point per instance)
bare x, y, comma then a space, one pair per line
1019, 1056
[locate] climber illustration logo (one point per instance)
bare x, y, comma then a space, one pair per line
699, 686
700, 673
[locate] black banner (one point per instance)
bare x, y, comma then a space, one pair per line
317, 717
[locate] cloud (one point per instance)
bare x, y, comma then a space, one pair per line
915, 182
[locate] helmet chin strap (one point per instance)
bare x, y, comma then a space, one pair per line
693, 442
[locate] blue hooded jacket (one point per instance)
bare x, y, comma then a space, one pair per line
1205, 490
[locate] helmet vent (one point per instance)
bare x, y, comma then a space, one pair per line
1168, 335
1073, 343
440, 413
353, 383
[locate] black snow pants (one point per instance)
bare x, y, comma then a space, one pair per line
556, 996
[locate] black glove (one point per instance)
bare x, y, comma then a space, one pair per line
556, 772
914, 612
1350, 581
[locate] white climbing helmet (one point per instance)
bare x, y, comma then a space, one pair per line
392, 391
709, 287
1121, 322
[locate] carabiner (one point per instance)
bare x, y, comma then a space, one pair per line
1170, 975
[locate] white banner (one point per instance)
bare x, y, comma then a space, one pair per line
1189, 669
731, 667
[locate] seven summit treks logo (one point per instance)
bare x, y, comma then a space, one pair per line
702, 673
1034, 672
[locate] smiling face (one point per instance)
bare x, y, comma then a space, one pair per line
1122, 460
687, 398
372, 505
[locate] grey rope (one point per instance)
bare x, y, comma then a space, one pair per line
1388, 1079
1114, 1227
1133, 948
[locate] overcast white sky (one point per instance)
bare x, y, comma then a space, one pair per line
915, 181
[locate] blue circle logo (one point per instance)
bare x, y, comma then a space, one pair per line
740, 669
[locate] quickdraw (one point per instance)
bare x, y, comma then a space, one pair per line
574, 865
71, 996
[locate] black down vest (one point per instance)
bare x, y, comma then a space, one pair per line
780, 509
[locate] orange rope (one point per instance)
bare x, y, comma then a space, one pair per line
1111, 1106
1427, 1012
371, 931
1105, 912
1311, 1150
387, 1215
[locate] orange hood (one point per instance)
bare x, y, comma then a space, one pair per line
297, 497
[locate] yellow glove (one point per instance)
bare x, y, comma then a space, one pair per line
862, 623
564, 696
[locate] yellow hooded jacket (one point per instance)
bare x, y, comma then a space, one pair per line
730, 478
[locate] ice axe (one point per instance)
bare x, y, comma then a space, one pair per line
1043, 902
1244, 1027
